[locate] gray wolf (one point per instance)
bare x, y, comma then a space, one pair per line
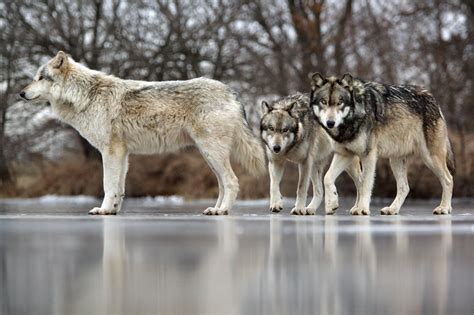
121, 117
371, 120
291, 133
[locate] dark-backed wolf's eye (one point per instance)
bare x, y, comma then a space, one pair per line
270, 128
323, 101
285, 130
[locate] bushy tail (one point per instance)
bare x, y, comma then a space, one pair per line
450, 160
248, 150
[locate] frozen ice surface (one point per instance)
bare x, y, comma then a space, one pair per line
160, 256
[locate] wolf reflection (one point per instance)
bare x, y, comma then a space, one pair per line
331, 265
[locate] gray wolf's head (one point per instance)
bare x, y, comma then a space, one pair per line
48, 77
331, 99
279, 125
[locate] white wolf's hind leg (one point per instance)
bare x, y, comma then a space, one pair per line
276, 169
438, 165
339, 163
399, 169
115, 164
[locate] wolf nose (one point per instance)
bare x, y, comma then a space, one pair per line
276, 148
330, 123
22, 94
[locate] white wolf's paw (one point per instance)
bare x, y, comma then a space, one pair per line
310, 211
215, 211
389, 211
101, 211
359, 211
277, 207
442, 210
298, 211
331, 207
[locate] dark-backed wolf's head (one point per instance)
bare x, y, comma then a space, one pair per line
47, 77
331, 99
279, 125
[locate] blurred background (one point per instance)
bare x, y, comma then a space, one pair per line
262, 49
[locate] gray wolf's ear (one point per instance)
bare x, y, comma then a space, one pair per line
346, 80
60, 61
291, 107
266, 108
317, 81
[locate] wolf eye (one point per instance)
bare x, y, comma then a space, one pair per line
323, 101
40, 78
285, 130
271, 128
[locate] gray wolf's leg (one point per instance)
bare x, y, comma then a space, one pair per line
115, 164
304, 170
368, 175
318, 191
339, 163
399, 169
355, 172
276, 169
437, 163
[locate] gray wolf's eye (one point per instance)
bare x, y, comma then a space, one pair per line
40, 78
323, 101
271, 128
285, 130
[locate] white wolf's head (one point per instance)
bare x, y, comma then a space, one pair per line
279, 125
48, 77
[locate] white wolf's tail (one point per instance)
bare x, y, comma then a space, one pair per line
249, 150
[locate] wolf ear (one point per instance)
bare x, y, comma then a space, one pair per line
60, 60
317, 81
266, 108
346, 80
291, 107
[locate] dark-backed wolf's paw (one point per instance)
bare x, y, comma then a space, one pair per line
442, 210
101, 211
276, 208
359, 211
215, 211
389, 211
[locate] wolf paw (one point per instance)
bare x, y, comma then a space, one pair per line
331, 208
101, 211
310, 211
359, 211
300, 211
442, 210
215, 211
389, 211
276, 208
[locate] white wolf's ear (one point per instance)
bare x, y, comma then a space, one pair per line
60, 61
317, 81
266, 108
346, 80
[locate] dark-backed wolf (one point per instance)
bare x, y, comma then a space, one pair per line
120, 117
372, 120
291, 133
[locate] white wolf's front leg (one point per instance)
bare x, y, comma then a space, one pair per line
115, 164
276, 169
339, 163
318, 190
304, 171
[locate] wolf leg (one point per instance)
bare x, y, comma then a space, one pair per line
219, 182
367, 183
115, 164
218, 158
355, 172
339, 163
318, 191
303, 183
276, 169
437, 163
399, 169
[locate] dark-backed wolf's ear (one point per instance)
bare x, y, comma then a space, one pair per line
266, 108
60, 61
317, 81
346, 80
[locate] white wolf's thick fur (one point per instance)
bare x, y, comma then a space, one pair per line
120, 117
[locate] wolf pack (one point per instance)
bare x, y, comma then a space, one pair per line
344, 122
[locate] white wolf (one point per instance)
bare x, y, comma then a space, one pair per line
120, 117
